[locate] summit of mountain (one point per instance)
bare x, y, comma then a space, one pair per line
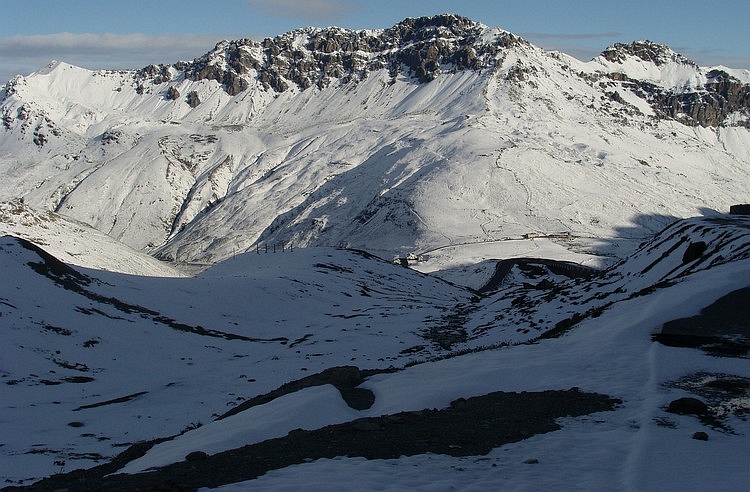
436, 132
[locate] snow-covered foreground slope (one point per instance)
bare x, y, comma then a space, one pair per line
181, 350
95, 361
434, 133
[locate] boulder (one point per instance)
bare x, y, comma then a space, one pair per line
196, 456
700, 436
688, 406
694, 251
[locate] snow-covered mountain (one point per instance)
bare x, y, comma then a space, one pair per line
264, 356
438, 131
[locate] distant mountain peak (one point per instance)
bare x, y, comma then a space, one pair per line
647, 51
437, 130
317, 56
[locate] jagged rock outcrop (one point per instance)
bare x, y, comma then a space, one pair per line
418, 47
645, 50
172, 94
710, 105
721, 97
193, 99
425, 47
157, 73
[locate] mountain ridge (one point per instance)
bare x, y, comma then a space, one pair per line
435, 123
288, 323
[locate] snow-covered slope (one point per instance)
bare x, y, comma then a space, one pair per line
103, 361
181, 349
77, 243
439, 139
436, 132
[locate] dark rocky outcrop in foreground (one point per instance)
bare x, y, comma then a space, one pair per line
468, 427
723, 328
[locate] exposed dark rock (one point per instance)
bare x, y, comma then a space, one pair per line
710, 105
421, 47
344, 378
358, 398
468, 427
172, 94
196, 456
192, 99
51, 267
688, 406
723, 328
730, 385
645, 50
694, 251
234, 84
700, 436
425, 47
112, 136
157, 73
741, 209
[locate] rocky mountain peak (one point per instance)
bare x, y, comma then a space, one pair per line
418, 47
645, 50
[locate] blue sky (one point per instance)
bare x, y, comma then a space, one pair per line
133, 33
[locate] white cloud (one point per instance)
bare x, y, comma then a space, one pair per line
25, 54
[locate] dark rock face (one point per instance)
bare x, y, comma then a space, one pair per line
688, 406
192, 99
196, 456
710, 105
468, 427
646, 50
157, 73
425, 47
700, 436
742, 209
172, 94
112, 136
722, 96
421, 48
694, 251
723, 328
